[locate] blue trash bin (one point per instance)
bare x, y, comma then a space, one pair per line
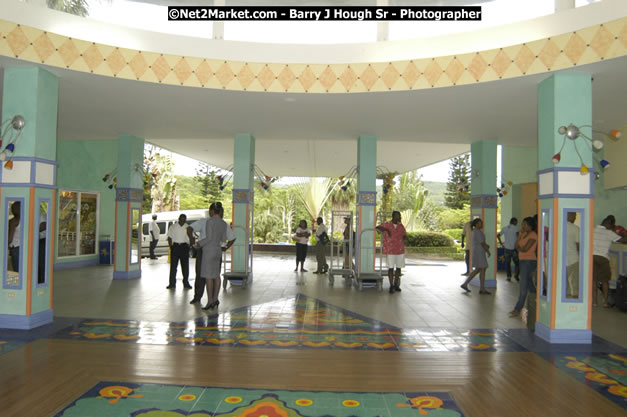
106, 246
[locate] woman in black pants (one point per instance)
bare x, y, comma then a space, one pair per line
301, 236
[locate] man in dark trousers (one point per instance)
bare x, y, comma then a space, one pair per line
154, 236
179, 251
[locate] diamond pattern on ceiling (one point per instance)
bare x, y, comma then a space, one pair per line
584, 46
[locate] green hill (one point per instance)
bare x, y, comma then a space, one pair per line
436, 191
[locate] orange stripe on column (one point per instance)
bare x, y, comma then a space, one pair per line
538, 272
115, 238
29, 265
495, 248
128, 234
359, 248
51, 240
590, 261
553, 270
374, 242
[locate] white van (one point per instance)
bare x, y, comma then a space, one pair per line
164, 220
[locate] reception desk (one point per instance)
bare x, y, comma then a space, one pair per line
618, 261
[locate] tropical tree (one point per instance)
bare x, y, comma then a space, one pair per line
163, 193
207, 181
314, 194
458, 177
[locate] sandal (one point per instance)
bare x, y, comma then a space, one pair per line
484, 292
607, 305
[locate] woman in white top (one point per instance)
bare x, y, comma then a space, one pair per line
301, 236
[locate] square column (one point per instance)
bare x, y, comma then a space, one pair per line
26, 291
561, 317
243, 198
129, 195
366, 204
484, 202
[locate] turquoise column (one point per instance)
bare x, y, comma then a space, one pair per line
243, 198
32, 93
128, 208
366, 204
564, 99
483, 200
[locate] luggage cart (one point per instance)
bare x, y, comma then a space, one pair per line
341, 248
241, 278
372, 279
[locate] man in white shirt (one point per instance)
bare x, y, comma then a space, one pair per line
154, 236
321, 247
572, 256
603, 237
179, 251
510, 234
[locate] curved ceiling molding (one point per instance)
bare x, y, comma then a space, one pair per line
588, 45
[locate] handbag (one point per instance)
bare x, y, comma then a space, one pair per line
323, 238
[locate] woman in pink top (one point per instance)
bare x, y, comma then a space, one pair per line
526, 246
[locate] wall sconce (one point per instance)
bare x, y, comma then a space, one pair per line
573, 132
10, 133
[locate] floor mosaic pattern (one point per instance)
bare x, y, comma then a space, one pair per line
300, 322
606, 373
114, 399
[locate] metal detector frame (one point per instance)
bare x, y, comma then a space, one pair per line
336, 263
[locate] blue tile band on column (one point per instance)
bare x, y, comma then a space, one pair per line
368, 198
572, 336
18, 321
241, 196
127, 275
484, 201
129, 194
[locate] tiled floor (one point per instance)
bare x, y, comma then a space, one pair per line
287, 310
294, 322
431, 297
113, 399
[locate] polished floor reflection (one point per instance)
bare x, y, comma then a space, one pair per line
121, 399
293, 331
299, 322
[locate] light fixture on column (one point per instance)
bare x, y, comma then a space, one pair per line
344, 181
504, 189
388, 178
572, 133
9, 134
111, 179
224, 179
265, 181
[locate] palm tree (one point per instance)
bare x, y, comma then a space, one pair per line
315, 193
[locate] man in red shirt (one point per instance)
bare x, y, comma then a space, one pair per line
393, 234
